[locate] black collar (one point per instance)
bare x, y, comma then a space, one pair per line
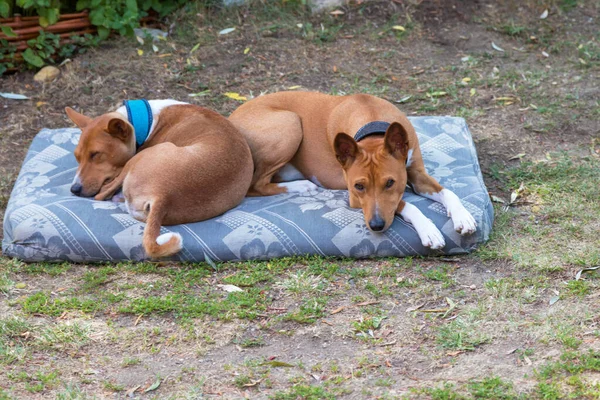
372, 128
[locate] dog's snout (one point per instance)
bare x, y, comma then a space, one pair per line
76, 189
376, 223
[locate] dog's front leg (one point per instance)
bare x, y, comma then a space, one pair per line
429, 234
110, 189
464, 223
426, 186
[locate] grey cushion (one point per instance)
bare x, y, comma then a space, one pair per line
45, 222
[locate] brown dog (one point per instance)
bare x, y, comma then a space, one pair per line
193, 165
300, 135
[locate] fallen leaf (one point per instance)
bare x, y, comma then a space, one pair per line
235, 96
165, 55
437, 94
210, 262
496, 47
154, 386
527, 360
140, 52
338, 310
196, 46
337, 12
20, 285
154, 48
252, 383
517, 157
247, 50
334, 68
201, 94
497, 199
452, 305
398, 28
454, 353
299, 25
14, 96
472, 92
226, 31
544, 14
91, 372
404, 99
367, 303
40, 103
505, 98
230, 288
415, 308
140, 40
294, 87
581, 271
131, 391
554, 299
275, 363
466, 80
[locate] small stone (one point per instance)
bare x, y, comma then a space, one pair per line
47, 74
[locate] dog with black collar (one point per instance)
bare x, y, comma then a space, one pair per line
300, 140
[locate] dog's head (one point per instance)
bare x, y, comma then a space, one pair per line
375, 172
106, 144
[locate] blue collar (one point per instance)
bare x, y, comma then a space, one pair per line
139, 115
372, 128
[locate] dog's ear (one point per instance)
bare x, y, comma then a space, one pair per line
396, 140
78, 119
346, 149
120, 129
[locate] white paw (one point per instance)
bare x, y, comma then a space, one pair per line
118, 198
165, 237
299, 186
430, 235
464, 223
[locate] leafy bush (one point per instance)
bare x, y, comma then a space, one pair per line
121, 16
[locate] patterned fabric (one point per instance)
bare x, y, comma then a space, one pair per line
45, 222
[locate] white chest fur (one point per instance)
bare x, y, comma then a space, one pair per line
156, 106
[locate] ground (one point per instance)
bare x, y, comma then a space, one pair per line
512, 320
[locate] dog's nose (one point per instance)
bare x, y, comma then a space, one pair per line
376, 224
76, 189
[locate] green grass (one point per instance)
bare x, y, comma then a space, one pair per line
310, 310
492, 389
44, 303
462, 333
304, 392
564, 195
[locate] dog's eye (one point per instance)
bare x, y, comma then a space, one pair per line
94, 155
390, 183
359, 186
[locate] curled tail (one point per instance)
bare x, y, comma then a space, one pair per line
155, 244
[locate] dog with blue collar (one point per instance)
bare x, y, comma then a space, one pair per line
176, 163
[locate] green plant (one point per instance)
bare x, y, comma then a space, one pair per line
48, 10
41, 49
7, 55
119, 15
